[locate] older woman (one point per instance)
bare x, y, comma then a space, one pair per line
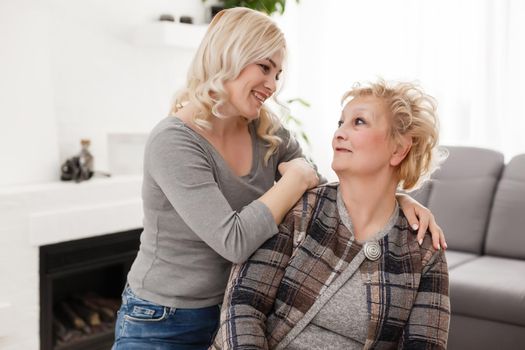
357, 277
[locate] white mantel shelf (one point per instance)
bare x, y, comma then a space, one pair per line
64, 211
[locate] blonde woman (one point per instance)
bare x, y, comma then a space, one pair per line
358, 278
219, 174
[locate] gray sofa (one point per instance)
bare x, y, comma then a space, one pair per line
480, 204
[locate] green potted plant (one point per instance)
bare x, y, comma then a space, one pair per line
267, 6
295, 125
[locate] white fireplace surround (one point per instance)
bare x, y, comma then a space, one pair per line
36, 215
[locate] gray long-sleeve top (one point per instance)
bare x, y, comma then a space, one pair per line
199, 216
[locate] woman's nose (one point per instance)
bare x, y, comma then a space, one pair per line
270, 84
340, 134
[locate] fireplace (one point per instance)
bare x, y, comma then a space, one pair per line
80, 286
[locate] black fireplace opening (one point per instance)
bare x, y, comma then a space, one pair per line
81, 282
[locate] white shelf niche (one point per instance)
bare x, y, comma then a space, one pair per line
163, 33
5, 317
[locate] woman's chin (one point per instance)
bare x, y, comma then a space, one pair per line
252, 115
337, 169
337, 166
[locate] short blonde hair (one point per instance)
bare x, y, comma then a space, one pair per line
414, 113
235, 38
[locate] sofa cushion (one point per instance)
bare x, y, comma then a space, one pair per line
506, 232
462, 209
422, 194
468, 162
456, 258
489, 288
461, 195
468, 333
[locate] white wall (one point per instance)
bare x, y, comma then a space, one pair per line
70, 70
103, 81
466, 53
28, 132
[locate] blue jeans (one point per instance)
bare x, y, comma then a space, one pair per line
142, 324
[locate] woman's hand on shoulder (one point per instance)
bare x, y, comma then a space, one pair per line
302, 170
421, 218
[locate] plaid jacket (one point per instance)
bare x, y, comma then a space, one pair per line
268, 296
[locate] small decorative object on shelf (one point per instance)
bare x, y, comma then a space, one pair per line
166, 17
81, 167
85, 159
186, 19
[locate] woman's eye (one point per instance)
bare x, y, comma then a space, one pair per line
339, 123
359, 121
265, 68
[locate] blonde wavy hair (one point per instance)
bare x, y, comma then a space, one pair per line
235, 38
414, 113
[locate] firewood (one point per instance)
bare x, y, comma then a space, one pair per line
70, 336
60, 330
106, 314
111, 303
76, 321
89, 315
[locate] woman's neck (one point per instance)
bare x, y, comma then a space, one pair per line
221, 128
370, 203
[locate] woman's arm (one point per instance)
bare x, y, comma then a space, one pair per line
421, 219
428, 323
180, 167
251, 292
297, 177
294, 176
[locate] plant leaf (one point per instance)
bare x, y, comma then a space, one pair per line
300, 101
305, 138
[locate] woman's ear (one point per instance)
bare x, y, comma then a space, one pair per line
403, 145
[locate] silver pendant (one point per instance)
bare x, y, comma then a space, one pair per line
372, 250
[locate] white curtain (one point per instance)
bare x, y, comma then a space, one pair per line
469, 54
